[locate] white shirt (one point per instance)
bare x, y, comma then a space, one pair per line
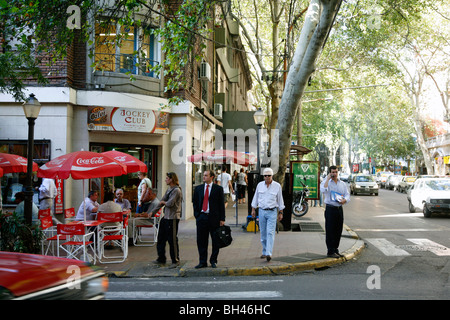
89, 206
340, 187
47, 189
268, 197
224, 178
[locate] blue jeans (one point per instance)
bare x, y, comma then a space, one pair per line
267, 227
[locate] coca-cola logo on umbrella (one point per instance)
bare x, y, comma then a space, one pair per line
94, 160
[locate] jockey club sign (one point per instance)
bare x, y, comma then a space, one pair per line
128, 120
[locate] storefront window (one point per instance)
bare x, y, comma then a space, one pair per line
130, 181
11, 183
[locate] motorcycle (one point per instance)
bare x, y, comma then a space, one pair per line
300, 203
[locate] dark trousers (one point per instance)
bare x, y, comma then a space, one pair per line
334, 221
168, 231
204, 229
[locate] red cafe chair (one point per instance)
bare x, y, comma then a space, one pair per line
112, 232
78, 242
140, 224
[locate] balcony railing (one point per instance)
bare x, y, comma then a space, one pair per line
124, 63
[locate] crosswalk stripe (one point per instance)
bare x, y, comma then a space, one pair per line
194, 295
387, 247
431, 246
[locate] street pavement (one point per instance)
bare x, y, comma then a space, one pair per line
294, 250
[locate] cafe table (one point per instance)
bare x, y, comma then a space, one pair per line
88, 224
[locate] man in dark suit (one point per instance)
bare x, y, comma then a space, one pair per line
209, 212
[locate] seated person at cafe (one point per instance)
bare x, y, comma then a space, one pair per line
91, 207
109, 206
124, 203
20, 209
154, 202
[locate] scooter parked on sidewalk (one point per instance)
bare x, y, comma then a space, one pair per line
300, 203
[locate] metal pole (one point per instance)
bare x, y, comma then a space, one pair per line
258, 162
28, 205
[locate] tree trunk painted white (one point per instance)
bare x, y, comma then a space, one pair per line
318, 21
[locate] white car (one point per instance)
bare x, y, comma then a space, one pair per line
424, 190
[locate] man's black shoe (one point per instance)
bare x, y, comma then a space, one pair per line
333, 255
201, 265
213, 265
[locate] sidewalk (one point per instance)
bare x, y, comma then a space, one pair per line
293, 250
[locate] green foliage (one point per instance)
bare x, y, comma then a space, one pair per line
32, 30
29, 30
184, 38
16, 236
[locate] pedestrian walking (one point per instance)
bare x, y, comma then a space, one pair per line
241, 185
146, 183
168, 228
335, 194
268, 198
224, 179
209, 212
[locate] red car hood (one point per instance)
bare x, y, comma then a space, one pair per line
23, 273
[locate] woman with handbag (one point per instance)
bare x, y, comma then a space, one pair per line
168, 228
143, 193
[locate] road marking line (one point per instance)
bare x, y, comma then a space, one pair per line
387, 247
194, 295
397, 230
401, 215
431, 246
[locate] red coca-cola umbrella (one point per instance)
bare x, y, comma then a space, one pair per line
82, 165
132, 163
11, 163
224, 156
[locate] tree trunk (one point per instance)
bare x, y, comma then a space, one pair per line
318, 22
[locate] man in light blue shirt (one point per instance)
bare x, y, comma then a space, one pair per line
336, 195
268, 198
89, 207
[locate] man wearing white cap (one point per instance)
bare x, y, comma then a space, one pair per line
268, 198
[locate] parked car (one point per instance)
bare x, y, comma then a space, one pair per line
363, 183
26, 276
430, 195
344, 177
382, 177
393, 181
405, 183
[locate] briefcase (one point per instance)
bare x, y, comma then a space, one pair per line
223, 236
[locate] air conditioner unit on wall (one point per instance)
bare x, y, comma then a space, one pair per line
205, 71
218, 109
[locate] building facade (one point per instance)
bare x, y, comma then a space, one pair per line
91, 104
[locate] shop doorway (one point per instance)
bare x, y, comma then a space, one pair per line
128, 182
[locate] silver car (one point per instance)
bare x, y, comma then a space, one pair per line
405, 183
393, 181
363, 183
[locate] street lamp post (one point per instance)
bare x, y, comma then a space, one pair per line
259, 117
31, 108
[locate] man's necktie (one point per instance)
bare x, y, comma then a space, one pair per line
205, 199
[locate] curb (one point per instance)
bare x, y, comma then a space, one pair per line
318, 264
276, 270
